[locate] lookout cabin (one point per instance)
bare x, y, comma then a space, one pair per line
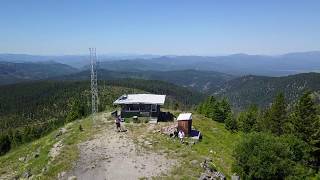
140, 105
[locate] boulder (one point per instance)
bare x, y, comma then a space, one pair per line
27, 174
37, 153
44, 169
61, 175
72, 178
194, 162
22, 159
60, 132
210, 172
235, 177
204, 176
147, 143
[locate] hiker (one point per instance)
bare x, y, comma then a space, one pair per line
181, 135
175, 133
118, 125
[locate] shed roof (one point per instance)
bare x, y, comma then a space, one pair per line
184, 116
141, 99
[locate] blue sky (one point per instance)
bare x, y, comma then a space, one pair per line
181, 27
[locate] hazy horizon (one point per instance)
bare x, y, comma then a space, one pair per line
147, 54
159, 27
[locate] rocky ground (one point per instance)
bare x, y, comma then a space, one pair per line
113, 155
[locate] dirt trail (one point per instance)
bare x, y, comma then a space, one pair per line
112, 155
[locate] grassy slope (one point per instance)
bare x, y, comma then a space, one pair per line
215, 139
217, 143
10, 166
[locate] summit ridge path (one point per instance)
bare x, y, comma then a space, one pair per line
114, 155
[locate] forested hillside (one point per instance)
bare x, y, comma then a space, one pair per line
277, 142
30, 110
241, 91
11, 72
260, 90
185, 98
197, 80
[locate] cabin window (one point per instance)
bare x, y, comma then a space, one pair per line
133, 107
153, 107
145, 107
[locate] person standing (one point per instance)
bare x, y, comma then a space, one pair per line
118, 123
181, 135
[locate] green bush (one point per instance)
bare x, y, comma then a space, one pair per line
231, 123
264, 156
127, 120
217, 110
248, 119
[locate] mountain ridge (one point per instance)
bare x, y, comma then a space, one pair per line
236, 64
260, 90
27, 71
201, 81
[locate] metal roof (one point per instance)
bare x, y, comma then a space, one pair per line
184, 116
141, 99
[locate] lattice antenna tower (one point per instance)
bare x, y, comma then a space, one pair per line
94, 82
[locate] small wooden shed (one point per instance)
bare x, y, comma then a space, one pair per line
185, 123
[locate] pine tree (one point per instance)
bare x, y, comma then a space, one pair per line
200, 108
216, 112
305, 117
315, 142
276, 118
307, 124
248, 119
225, 110
211, 106
231, 123
205, 108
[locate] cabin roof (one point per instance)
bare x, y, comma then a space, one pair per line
141, 99
184, 116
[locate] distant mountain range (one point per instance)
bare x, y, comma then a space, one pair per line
28, 71
77, 61
203, 81
19, 72
236, 64
192, 72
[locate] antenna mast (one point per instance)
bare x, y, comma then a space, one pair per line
94, 82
